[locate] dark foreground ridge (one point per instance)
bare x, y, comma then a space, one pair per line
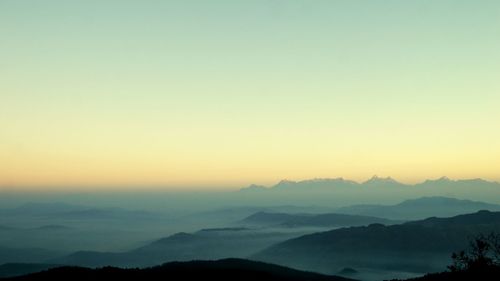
226, 269
490, 273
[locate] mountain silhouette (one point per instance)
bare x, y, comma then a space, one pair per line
205, 244
227, 269
384, 182
491, 273
253, 187
311, 220
373, 181
329, 183
18, 269
419, 246
340, 191
420, 208
26, 255
313, 184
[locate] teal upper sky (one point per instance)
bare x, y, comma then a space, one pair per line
247, 91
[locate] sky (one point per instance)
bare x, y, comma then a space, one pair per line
183, 94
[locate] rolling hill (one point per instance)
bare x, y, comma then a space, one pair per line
310, 220
419, 246
420, 208
491, 273
228, 269
207, 244
18, 269
26, 255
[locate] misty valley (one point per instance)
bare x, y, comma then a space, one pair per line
236, 140
335, 228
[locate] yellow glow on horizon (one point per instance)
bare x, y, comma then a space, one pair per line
170, 96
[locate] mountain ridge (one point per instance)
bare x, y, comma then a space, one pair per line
373, 180
420, 208
225, 269
420, 246
311, 220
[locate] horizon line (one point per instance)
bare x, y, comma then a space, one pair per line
77, 188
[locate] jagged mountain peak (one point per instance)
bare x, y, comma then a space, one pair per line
381, 180
253, 187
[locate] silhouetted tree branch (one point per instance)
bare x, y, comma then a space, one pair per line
483, 251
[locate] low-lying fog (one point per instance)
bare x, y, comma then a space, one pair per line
148, 228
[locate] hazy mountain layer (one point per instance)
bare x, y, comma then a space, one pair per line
310, 220
421, 208
18, 269
26, 255
376, 190
420, 246
206, 244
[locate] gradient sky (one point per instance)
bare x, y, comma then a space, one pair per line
228, 93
